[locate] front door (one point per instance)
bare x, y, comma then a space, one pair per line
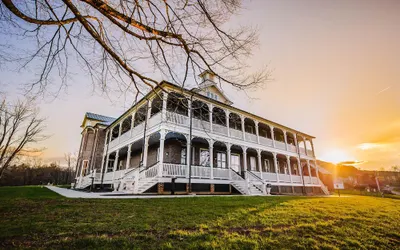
235, 162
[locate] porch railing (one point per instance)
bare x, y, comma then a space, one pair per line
201, 172
177, 118
236, 133
221, 173
251, 137
280, 145
220, 129
284, 178
296, 179
266, 141
269, 177
174, 170
292, 148
201, 124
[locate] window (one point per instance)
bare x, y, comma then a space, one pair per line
204, 157
253, 164
110, 166
221, 160
267, 166
235, 162
183, 156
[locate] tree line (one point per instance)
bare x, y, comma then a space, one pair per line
25, 174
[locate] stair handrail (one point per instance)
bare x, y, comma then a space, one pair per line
257, 177
237, 173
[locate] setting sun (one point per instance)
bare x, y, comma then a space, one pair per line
336, 156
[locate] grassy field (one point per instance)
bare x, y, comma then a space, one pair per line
36, 217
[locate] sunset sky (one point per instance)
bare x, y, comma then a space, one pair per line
336, 75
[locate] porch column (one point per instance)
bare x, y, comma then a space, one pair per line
102, 166
211, 116
115, 164
259, 160
188, 154
257, 133
295, 142
210, 148
228, 152
133, 121
148, 111
276, 166
309, 171
119, 131
107, 162
245, 159
145, 151
128, 157
312, 148
189, 108
164, 106
227, 113
305, 145
289, 167
243, 130
161, 156
285, 136
316, 170
272, 136
299, 168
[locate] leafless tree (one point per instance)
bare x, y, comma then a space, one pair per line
20, 127
125, 43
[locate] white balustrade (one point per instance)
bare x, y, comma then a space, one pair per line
113, 143
251, 137
124, 137
177, 118
108, 177
292, 148
296, 179
221, 173
200, 124
284, 178
236, 133
280, 145
265, 141
220, 129
152, 171
303, 151
269, 177
119, 174
310, 152
174, 170
201, 172
154, 120
314, 180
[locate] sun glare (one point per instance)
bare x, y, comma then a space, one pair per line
368, 146
336, 156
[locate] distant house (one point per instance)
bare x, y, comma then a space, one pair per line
182, 136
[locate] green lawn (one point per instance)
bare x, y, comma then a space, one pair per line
36, 217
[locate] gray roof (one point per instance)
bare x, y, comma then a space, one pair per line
106, 120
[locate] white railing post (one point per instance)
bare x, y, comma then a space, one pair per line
257, 132
161, 156
289, 168
243, 130
276, 166
145, 151
188, 154
128, 157
228, 152
309, 171
285, 137
132, 123
115, 164
211, 116
211, 149
272, 136
316, 171
164, 107
259, 161
227, 113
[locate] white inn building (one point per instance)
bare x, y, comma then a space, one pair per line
194, 141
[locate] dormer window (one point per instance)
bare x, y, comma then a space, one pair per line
212, 95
